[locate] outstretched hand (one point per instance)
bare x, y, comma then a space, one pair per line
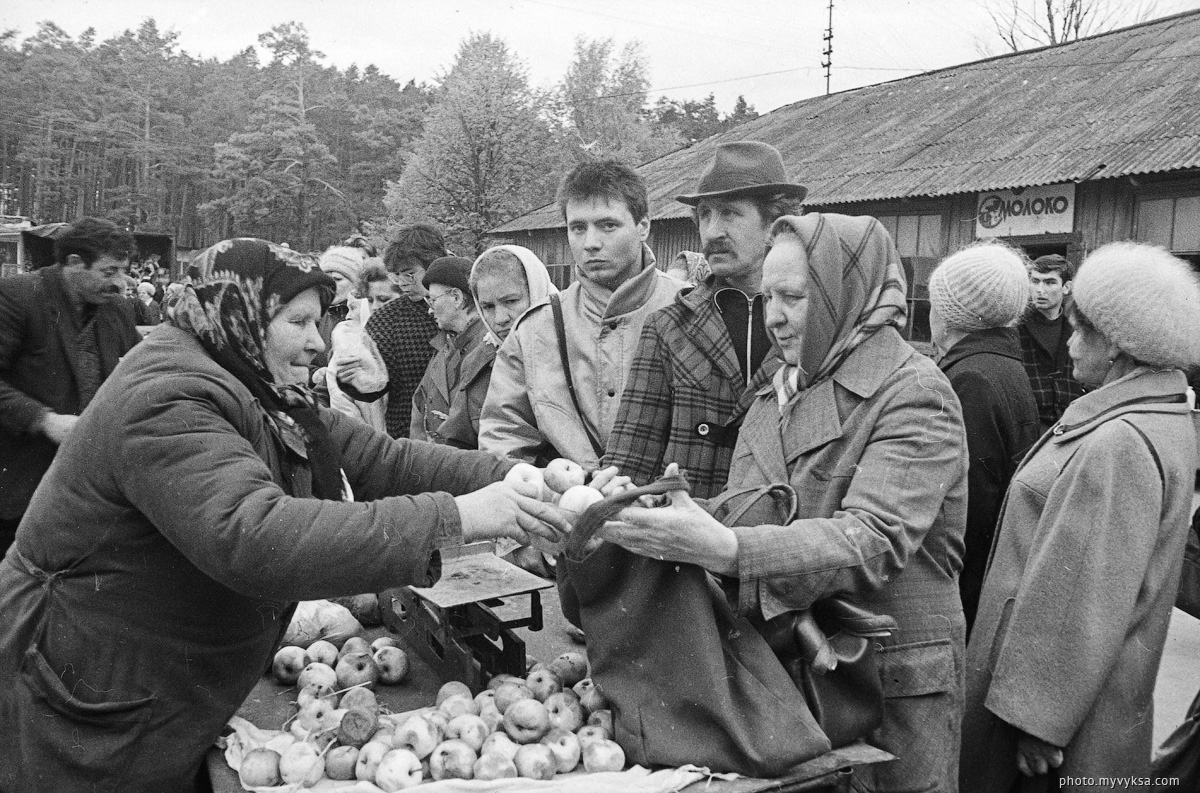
1036, 757
500, 511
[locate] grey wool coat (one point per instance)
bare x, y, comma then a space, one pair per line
877, 455
160, 560
1084, 572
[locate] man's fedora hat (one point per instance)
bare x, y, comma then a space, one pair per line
744, 168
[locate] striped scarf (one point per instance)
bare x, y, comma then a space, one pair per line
855, 287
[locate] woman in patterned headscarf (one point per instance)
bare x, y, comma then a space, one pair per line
202, 494
869, 434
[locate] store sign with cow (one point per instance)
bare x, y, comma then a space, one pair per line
1018, 213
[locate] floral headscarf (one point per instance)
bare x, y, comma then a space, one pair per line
855, 287
237, 287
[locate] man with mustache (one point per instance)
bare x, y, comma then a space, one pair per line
62, 330
701, 360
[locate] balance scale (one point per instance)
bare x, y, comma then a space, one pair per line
463, 626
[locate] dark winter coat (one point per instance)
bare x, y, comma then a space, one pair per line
161, 559
1049, 371
1080, 588
438, 388
39, 372
461, 427
1001, 420
685, 396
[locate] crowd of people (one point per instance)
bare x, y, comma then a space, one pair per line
302, 426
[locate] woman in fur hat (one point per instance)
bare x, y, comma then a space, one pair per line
1085, 567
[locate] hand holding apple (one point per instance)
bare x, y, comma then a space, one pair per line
562, 474
526, 479
500, 511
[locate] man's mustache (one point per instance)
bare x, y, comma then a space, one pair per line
718, 246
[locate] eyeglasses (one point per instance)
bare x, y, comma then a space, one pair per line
431, 298
404, 277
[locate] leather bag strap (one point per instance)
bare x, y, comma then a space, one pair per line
561, 331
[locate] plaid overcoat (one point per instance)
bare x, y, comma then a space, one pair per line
1049, 374
684, 396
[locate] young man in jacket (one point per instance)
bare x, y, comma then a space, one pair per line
62, 330
701, 360
1044, 333
530, 412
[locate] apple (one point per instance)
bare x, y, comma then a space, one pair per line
452, 759
583, 686
603, 756
385, 733
543, 683
360, 697
470, 729
579, 498
503, 677
319, 674
340, 762
301, 764
369, 757
508, 693
499, 743
485, 697
438, 719
563, 474
457, 706
313, 691
565, 748
357, 727
526, 721
593, 701
312, 716
453, 688
492, 717
323, 652
571, 668
384, 641
399, 769
288, 663
526, 479
601, 718
260, 768
392, 663
494, 766
564, 711
592, 732
355, 644
535, 761
357, 669
418, 734
536, 666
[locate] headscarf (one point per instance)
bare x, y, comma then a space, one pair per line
237, 287
537, 277
855, 287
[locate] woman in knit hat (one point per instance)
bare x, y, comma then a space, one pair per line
1086, 562
343, 264
976, 297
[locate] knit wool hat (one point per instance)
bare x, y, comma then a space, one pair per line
980, 287
454, 271
1144, 300
343, 259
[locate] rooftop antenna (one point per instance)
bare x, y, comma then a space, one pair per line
828, 52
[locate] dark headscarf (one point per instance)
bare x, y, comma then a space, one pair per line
855, 287
237, 287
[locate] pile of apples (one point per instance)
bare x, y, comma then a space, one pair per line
561, 482
355, 664
548, 723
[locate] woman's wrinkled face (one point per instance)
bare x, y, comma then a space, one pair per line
292, 339
785, 295
501, 301
1091, 353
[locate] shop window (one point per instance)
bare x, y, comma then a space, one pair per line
919, 240
1173, 223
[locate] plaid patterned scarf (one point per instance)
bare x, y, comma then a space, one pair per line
855, 287
237, 287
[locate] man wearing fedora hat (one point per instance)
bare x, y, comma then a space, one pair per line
701, 360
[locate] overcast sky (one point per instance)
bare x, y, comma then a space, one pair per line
768, 50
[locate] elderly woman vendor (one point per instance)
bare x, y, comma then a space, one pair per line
202, 494
870, 435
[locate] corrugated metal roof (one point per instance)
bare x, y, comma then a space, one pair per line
1128, 100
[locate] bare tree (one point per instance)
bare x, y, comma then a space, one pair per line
1025, 24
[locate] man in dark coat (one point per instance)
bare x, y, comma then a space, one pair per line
403, 328
975, 298
1044, 333
701, 360
62, 331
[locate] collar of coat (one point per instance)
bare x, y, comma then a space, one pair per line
996, 341
706, 329
626, 298
1144, 390
816, 418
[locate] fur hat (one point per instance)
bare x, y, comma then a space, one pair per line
983, 286
453, 271
344, 260
1144, 300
